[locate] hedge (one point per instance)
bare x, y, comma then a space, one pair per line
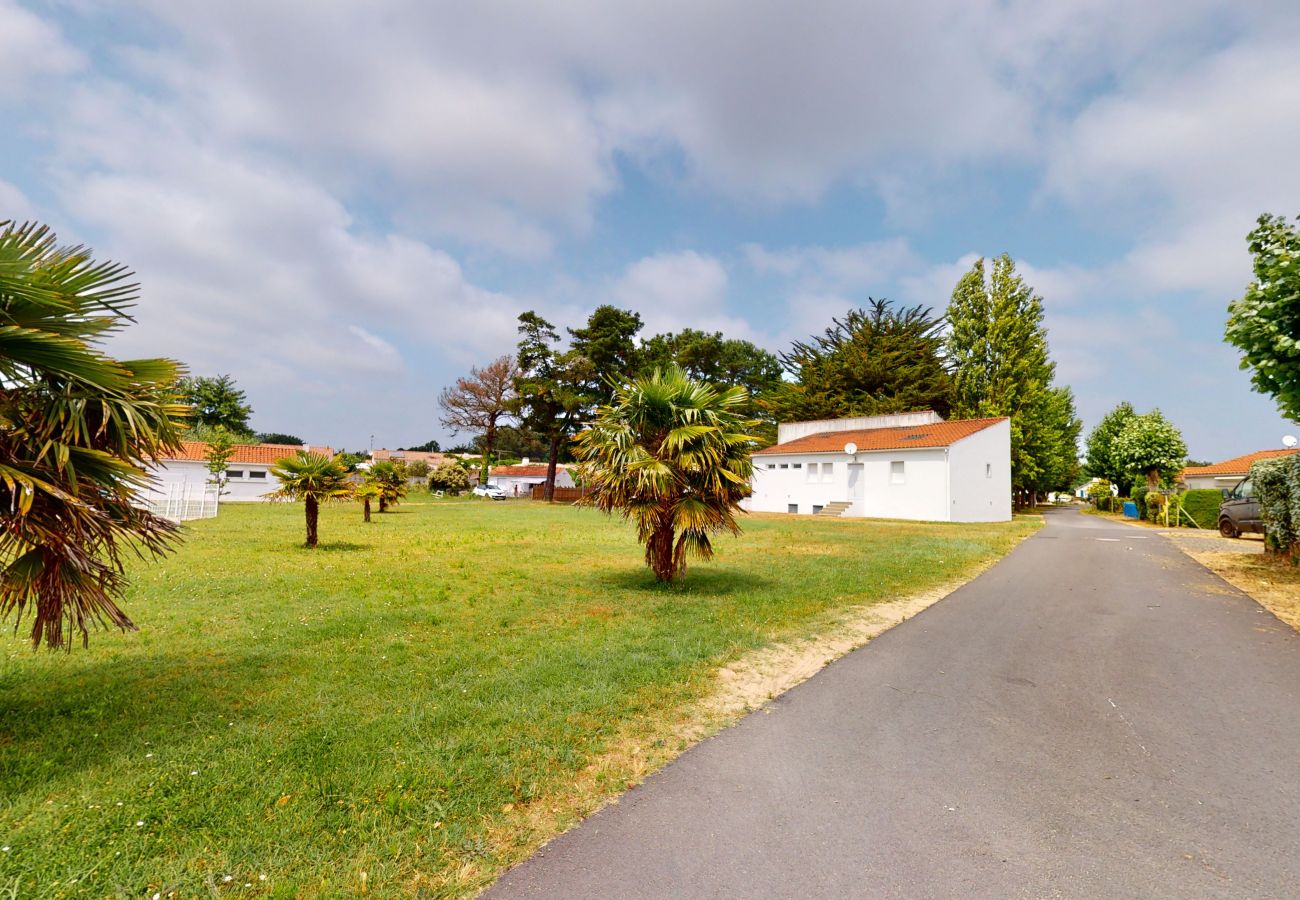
1203, 506
1276, 483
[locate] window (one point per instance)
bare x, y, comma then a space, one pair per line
792, 508
988, 470
812, 471
785, 465
257, 473
896, 472
771, 465
828, 472
816, 509
234, 473
796, 465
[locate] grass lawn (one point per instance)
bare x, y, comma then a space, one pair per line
408, 709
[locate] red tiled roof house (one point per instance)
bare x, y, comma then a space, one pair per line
518, 481
248, 471
1226, 474
904, 466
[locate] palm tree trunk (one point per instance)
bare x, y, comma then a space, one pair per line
383, 504
548, 492
313, 516
365, 506
660, 553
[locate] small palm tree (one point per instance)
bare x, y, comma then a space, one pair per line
316, 479
366, 492
673, 455
390, 478
78, 429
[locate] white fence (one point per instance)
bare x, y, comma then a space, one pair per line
182, 501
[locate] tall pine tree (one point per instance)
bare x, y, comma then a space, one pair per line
881, 359
997, 350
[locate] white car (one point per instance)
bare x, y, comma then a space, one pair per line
491, 491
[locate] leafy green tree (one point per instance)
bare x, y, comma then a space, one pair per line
390, 477
221, 446
480, 401
217, 402
672, 455
876, 360
1100, 457
1150, 446
997, 350
278, 437
449, 477
608, 341
713, 359
1264, 324
417, 468
314, 479
426, 447
1056, 442
552, 390
77, 430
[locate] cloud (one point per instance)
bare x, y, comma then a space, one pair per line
673, 291
31, 50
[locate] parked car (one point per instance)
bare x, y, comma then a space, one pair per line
1239, 511
491, 491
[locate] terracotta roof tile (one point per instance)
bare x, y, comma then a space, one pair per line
1239, 465
529, 471
907, 437
196, 451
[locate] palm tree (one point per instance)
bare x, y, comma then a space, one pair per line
366, 492
390, 478
316, 479
673, 455
78, 428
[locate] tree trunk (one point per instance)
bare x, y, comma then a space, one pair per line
365, 506
659, 554
1153, 479
313, 516
383, 504
489, 441
548, 492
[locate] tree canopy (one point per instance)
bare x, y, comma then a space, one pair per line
551, 388
1264, 324
477, 403
711, 358
1101, 461
1150, 447
77, 430
314, 479
997, 350
278, 437
216, 402
879, 359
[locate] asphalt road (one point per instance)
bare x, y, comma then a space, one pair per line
1095, 716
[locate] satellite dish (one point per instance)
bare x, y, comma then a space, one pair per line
1289, 441
850, 448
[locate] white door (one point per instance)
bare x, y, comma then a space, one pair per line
855, 490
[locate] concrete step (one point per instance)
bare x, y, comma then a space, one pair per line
835, 509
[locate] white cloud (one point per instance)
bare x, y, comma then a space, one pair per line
14, 203
673, 291
859, 266
31, 50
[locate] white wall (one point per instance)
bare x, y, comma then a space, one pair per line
922, 494
244, 489
524, 483
979, 470
1211, 482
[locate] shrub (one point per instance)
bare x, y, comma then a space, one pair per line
417, 468
1277, 488
450, 477
1203, 507
1140, 497
1154, 503
1099, 492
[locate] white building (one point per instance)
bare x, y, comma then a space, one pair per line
248, 471
518, 481
1227, 473
907, 466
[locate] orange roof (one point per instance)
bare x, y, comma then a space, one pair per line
1239, 465
197, 451
907, 437
529, 471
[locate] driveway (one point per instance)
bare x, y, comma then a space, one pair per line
1097, 715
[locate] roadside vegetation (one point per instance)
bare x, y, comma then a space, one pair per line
413, 705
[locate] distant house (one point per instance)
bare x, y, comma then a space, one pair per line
518, 481
433, 458
248, 472
905, 466
1227, 473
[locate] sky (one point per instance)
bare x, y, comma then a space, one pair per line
345, 205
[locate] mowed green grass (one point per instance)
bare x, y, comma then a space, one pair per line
389, 704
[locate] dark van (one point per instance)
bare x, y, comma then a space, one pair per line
1239, 511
